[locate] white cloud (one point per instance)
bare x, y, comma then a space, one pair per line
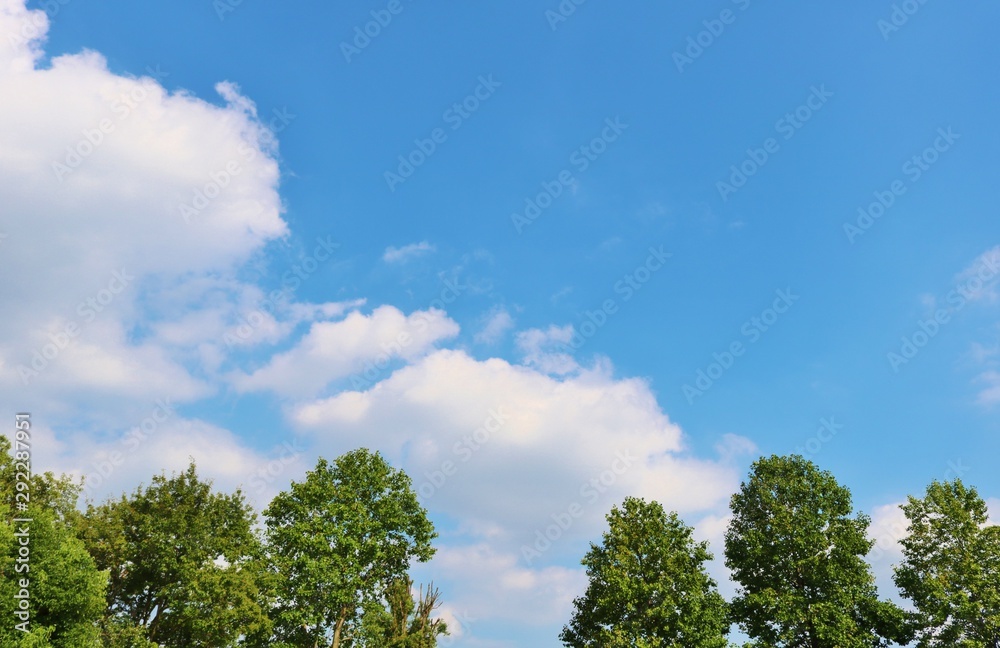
712, 529
159, 442
95, 171
888, 527
497, 322
333, 350
482, 576
549, 351
407, 252
520, 446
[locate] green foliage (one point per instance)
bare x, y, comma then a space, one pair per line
177, 565
184, 564
402, 621
118, 633
339, 539
799, 558
66, 591
648, 586
951, 568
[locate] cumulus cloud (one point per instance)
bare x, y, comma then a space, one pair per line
159, 441
888, 527
483, 577
407, 252
115, 190
337, 349
506, 447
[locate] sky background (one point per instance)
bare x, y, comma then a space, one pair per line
307, 302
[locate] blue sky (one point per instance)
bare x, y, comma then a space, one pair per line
626, 129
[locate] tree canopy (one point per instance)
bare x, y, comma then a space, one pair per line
798, 555
951, 568
183, 562
178, 564
648, 587
56, 580
340, 538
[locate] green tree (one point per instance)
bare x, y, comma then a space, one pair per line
184, 564
951, 568
64, 587
648, 586
403, 621
799, 558
338, 540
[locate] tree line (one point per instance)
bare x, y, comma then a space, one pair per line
797, 553
175, 564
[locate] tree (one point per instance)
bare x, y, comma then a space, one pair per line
648, 586
951, 568
184, 564
43, 564
799, 558
338, 540
402, 621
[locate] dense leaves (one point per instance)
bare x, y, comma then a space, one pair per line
951, 568
339, 539
648, 586
798, 555
183, 562
57, 577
